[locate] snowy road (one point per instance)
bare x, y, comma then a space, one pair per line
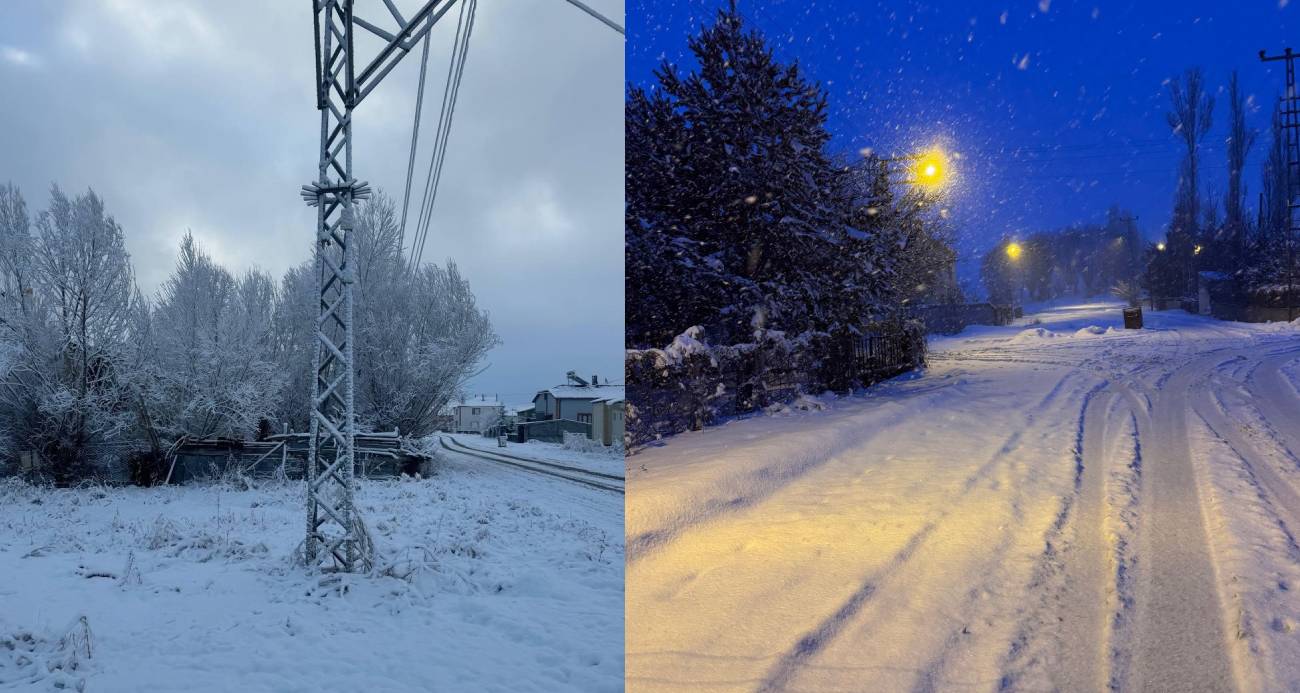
579, 468
1056, 506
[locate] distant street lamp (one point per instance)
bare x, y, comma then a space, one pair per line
1160, 246
1014, 250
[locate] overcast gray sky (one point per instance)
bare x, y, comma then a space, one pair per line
200, 115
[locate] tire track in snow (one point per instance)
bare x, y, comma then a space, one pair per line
1180, 638
793, 662
1275, 396
1068, 577
1282, 497
1258, 600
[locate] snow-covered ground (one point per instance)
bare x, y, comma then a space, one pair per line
509, 582
1055, 505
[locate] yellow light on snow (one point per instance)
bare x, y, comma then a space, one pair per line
1014, 250
932, 169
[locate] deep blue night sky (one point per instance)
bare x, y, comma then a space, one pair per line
1045, 141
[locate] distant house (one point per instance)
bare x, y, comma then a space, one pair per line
574, 400
514, 415
476, 414
607, 421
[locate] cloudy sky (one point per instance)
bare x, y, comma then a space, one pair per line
200, 115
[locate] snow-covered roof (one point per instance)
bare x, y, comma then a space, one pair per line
588, 392
479, 401
519, 409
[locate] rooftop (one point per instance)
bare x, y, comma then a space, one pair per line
585, 391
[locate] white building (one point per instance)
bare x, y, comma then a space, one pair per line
476, 414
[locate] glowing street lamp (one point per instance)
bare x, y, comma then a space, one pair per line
1196, 250
931, 169
1014, 250
1160, 246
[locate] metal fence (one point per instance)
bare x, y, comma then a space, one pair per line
669, 392
953, 318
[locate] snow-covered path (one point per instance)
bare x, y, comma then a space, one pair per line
1050, 506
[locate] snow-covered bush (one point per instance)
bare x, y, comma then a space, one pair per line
692, 384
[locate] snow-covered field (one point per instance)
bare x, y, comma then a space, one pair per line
1055, 505
502, 581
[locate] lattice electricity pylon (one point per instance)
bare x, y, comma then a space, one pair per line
336, 537
1290, 112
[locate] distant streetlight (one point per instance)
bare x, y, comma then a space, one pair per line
1160, 246
1014, 250
1196, 250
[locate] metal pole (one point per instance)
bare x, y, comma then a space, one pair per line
333, 535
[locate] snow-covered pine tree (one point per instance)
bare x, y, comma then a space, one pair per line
729, 180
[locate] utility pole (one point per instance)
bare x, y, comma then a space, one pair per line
336, 537
1291, 129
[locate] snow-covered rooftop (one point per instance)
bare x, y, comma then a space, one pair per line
590, 392
479, 401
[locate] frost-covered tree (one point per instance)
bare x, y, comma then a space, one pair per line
1190, 118
1241, 137
83, 279
901, 250
18, 313
214, 349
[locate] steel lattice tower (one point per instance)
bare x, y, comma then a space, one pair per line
1290, 112
336, 537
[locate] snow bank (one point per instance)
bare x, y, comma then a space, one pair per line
1035, 334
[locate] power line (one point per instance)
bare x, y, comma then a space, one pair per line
455, 70
437, 135
415, 134
608, 22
